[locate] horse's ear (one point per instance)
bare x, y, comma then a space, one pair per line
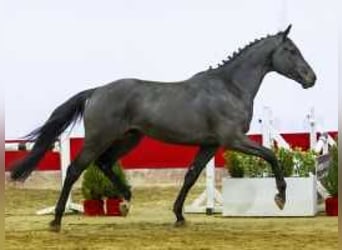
286, 32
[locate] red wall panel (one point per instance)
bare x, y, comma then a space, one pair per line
152, 154
51, 160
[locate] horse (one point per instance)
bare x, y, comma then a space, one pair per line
211, 109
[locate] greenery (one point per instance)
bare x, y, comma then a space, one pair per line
294, 162
242, 165
96, 186
235, 160
331, 180
305, 162
285, 158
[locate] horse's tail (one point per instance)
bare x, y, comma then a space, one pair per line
44, 136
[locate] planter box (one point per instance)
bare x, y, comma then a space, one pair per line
109, 207
255, 197
331, 206
113, 207
93, 207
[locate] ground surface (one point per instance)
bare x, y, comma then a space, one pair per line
150, 226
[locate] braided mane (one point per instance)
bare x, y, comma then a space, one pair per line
240, 51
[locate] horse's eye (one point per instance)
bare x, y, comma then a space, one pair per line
293, 52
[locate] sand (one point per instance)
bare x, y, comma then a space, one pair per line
149, 225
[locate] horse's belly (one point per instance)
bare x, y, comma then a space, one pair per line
178, 134
184, 139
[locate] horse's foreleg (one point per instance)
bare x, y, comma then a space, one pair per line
203, 156
247, 146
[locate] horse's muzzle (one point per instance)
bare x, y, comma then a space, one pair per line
309, 80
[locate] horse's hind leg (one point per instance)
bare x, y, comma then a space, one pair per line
203, 156
88, 154
118, 149
247, 146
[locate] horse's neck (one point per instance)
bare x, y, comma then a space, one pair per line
250, 79
248, 71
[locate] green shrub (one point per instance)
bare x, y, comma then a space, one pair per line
240, 165
285, 158
235, 164
92, 183
330, 182
305, 162
293, 163
96, 186
255, 166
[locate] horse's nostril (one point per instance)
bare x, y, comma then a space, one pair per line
310, 79
304, 72
312, 75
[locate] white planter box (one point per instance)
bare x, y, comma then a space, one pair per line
255, 197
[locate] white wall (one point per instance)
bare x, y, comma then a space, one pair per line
53, 49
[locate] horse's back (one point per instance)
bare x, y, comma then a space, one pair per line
178, 112
126, 97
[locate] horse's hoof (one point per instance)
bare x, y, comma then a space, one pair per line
124, 208
180, 223
280, 201
55, 227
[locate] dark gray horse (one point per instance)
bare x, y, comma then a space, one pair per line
211, 109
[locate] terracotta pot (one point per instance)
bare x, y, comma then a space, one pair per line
331, 206
93, 207
113, 206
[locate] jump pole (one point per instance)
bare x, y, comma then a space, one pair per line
62, 146
269, 133
320, 146
64, 152
324, 141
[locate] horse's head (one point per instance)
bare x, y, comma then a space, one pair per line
288, 61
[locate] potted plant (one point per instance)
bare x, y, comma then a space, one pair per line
253, 195
114, 203
330, 182
100, 195
92, 190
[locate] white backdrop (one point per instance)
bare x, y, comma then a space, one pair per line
50, 50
